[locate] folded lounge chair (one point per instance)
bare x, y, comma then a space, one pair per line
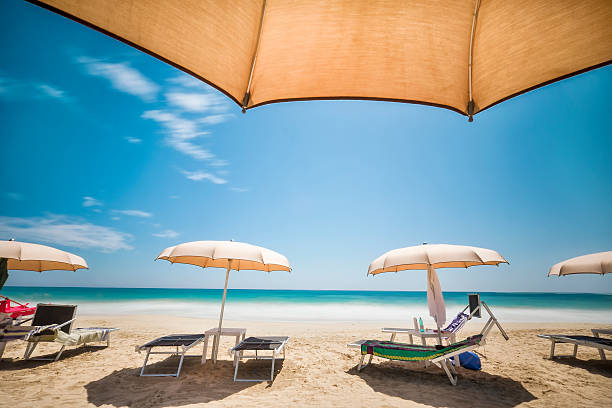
589, 341
184, 341
275, 344
53, 323
438, 355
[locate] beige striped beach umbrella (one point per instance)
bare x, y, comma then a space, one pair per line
229, 255
430, 257
463, 55
15, 255
599, 263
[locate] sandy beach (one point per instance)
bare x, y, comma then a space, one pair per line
319, 371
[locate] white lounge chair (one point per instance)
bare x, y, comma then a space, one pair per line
275, 344
182, 343
594, 341
449, 333
53, 323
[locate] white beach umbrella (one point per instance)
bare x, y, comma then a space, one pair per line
225, 254
599, 263
15, 255
430, 257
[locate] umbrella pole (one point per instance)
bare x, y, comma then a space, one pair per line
218, 336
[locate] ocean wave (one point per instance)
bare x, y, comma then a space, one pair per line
329, 312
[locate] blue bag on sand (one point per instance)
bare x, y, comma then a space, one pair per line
469, 360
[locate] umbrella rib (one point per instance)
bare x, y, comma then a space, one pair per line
471, 105
247, 94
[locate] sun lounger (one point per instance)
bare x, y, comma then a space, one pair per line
588, 341
53, 323
275, 344
438, 355
182, 341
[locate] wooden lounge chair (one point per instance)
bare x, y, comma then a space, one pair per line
595, 341
275, 344
438, 355
182, 341
53, 323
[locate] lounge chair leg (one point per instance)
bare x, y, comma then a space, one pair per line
601, 354
552, 350
145, 362
2, 346
272, 371
59, 353
392, 336
180, 365
451, 377
575, 350
29, 350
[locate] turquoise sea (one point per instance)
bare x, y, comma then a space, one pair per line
315, 305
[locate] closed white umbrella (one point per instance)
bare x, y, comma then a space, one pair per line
430, 257
599, 263
15, 255
229, 255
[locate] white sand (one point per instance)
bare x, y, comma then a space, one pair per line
319, 371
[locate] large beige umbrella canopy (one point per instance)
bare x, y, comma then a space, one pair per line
430, 257
229, 255
463, 55
15, 255
599, 263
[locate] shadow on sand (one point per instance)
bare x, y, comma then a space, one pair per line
21, 364
598, 367
196, 384
430, 386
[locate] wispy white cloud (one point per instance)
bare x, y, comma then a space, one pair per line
216, 119
239, 189
134, 140
199, 102
51, 91
14, 196
187, 81
64, 230
219, 163
91, 202
20, 90
200, 175
174, 197
180, 133
166, 234
122, 77
134, 213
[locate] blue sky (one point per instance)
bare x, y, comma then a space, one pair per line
114, 155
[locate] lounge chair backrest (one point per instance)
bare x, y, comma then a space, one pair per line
474, 301
47, 314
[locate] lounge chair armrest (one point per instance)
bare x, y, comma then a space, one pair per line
56, 327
